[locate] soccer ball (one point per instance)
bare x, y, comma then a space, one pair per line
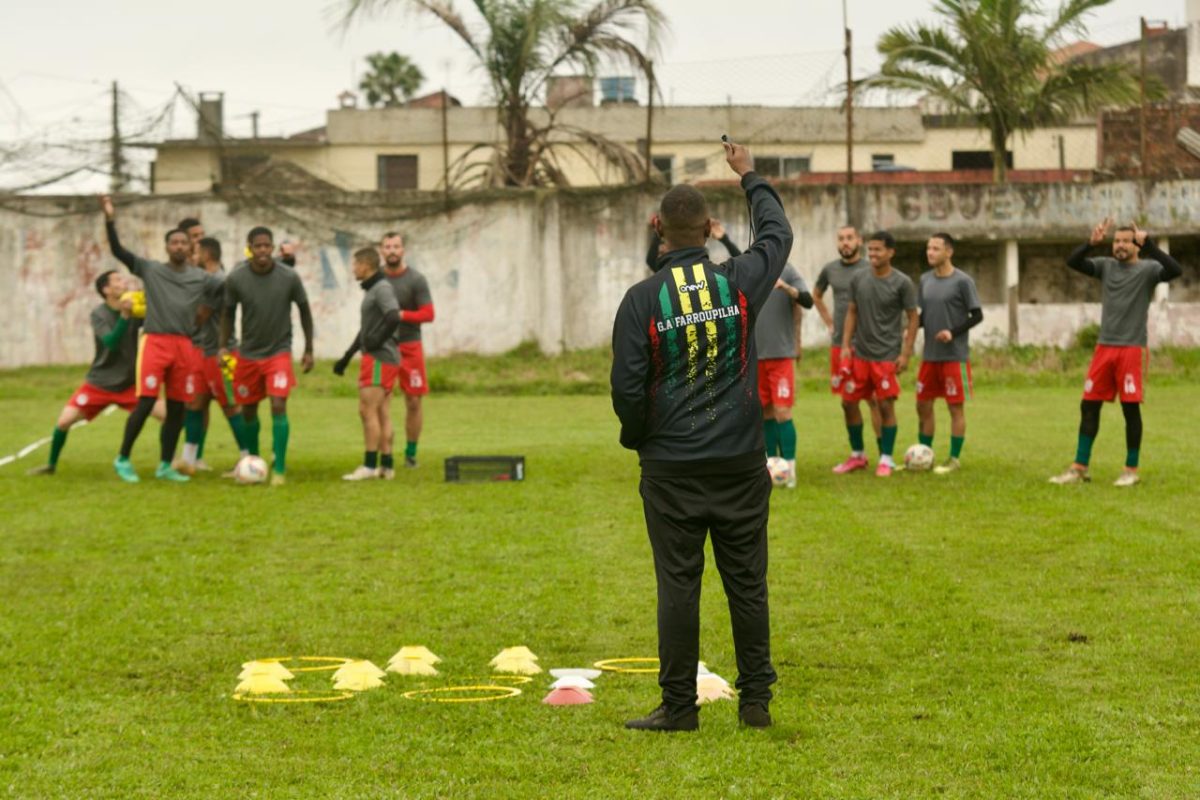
250, 470
918, 458
779, 470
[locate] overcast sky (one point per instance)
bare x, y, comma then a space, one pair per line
283, 58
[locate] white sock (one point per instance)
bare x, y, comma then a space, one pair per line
189, 453
243, 453
857, 453
887, 460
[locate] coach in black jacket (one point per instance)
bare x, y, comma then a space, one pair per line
684, 387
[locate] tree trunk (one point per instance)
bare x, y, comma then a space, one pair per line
517, 155
999, 151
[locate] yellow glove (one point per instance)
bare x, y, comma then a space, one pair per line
228, 366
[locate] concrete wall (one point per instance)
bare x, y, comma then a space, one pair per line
552, 267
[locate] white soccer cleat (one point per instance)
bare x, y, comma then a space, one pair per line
387, 474
951, 465
1073, 474
1128, 477
202, 466
362, 473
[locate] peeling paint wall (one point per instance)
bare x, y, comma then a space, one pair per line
552, 267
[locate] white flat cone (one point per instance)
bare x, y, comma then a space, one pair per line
582, 672
572, 682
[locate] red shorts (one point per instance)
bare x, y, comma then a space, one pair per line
1115, 370
214, 382
91, 400
412, 369
870, 379
267, 377
776, 382
373, 372
835, 369
948, 379
166, 361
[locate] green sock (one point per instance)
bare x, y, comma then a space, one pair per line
856, 438
193, 426
1083, 452
279, 440
253, 427
879, 443
1131, 458
787, 439
926, 439
410, 450
771, 436
60, 438
200, 444
956, 443
238, 424
887, 442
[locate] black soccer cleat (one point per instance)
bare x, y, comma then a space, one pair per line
660, 719
410, 462
754, 715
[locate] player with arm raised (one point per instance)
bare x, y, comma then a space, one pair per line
176, 295
1127, 281
266, 290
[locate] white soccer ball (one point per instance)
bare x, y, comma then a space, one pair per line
250, 470
918, 458
779, 470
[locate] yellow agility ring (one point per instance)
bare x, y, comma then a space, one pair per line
330, 663
516, 680
503, 693
612, 665
308, 697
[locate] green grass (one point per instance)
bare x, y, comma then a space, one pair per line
985, 635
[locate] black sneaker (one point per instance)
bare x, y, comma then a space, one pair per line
662, 720
410, 462
754, 715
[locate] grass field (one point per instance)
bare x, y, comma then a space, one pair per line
982, 635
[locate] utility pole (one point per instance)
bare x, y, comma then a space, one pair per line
1142, 97
849, 114
253, 124
117, 179
649, 118
446, 144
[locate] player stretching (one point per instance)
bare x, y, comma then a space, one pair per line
775, 338
111, 379
876, 347
211, 381
416, 309
1127, 282
265, 289
949, 309
175, 307
838, 274
380, 370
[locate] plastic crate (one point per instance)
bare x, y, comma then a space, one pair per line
484, 469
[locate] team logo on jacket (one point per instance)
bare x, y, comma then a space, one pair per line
699, 286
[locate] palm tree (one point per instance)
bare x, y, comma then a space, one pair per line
989, 61
521, 44
392, 81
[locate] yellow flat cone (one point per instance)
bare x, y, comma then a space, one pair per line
712, 693
517, 666
357, 682
411, 666
521, 651
262, 684
419, 652
273, 668
354, 668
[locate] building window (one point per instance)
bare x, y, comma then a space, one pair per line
397, 173
977, 159
665, 165
882, 161
695, 166
782, 166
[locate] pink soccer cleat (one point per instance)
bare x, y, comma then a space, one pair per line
883, 470
851, 464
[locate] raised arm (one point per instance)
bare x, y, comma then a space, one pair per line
1171, 269
1078, 259
114, 243
757, 269
721, 235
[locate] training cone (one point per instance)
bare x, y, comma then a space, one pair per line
572, 682
361, 667
358, 676
520, 652
262, 684
711, 688
581, 672
418, 652
411, 666
273, 668
567, 697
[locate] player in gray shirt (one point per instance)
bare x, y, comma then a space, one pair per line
266, 290
876, 347
380, 367
777, 338
1127, 281
950, 307
837, 275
